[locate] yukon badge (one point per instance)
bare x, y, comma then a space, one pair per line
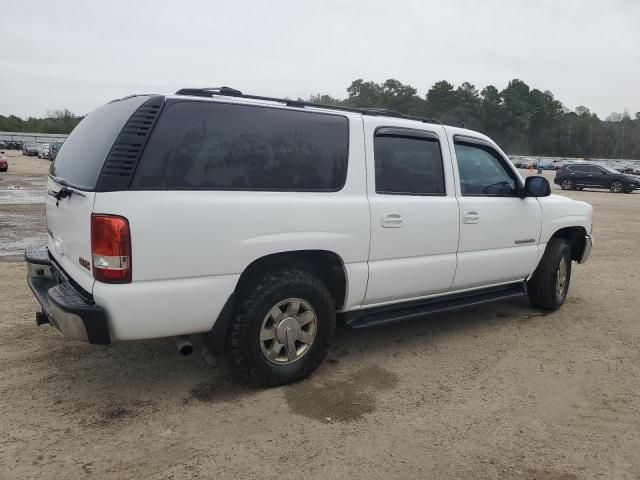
525, 241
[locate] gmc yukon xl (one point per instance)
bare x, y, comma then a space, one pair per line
256, 223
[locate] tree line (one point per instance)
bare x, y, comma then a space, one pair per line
58, 121
520, 119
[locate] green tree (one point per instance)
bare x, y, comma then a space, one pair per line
441, 99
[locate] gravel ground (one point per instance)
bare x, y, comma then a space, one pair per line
496, 391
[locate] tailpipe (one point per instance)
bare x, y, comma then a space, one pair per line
184, 345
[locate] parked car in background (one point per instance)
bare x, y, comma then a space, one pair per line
54, 150
29, 150
544, 165
580, 175
623, 167
13, 145
43, 150
526, 163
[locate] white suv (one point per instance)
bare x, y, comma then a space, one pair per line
260, 222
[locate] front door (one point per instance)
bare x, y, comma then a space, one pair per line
414, 212
499, 231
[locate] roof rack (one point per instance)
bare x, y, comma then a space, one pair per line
232, 92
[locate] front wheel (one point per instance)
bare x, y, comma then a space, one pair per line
616, 186
550, 282
282, 328
567, 184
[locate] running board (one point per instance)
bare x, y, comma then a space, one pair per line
405, 311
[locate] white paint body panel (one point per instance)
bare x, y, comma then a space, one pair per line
69, 232
163, 308
487, 252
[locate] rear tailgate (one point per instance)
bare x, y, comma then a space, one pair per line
69, 232
76, 169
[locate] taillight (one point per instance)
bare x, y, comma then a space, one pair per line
111, 248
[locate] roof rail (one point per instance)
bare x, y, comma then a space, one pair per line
232, 92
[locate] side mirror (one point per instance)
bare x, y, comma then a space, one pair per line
536, 187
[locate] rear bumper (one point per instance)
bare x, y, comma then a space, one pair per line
588, 244
64, 304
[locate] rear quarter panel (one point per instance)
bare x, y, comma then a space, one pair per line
189, 248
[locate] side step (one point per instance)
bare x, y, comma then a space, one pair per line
404, 311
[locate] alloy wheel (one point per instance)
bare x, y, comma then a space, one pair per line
288, 331
562, 275
567, 184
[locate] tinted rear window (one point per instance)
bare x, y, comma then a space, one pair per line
407, 165
216, 146
580, 168
81, 156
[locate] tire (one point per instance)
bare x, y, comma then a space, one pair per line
253, 318
616, 186
566, 184
545, 288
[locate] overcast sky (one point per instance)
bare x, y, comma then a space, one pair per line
78, 55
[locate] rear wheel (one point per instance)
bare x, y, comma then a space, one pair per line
550, 282
616, 186
282, 329
566, 184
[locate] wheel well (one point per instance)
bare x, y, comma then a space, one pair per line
326, 265
575, 237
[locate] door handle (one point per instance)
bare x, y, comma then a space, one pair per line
470, 217
391, 220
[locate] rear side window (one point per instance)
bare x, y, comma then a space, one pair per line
408, 165
216, 146
80, 158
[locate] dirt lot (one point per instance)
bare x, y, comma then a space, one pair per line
499, 391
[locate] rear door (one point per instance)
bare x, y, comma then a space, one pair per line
75, 172
580, 174
414, 212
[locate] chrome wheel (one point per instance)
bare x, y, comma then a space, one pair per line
288, 331
566, 184
616, 187
561, 279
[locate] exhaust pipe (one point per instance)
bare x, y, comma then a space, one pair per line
185, 347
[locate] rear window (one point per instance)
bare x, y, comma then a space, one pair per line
80, 158
217, 146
